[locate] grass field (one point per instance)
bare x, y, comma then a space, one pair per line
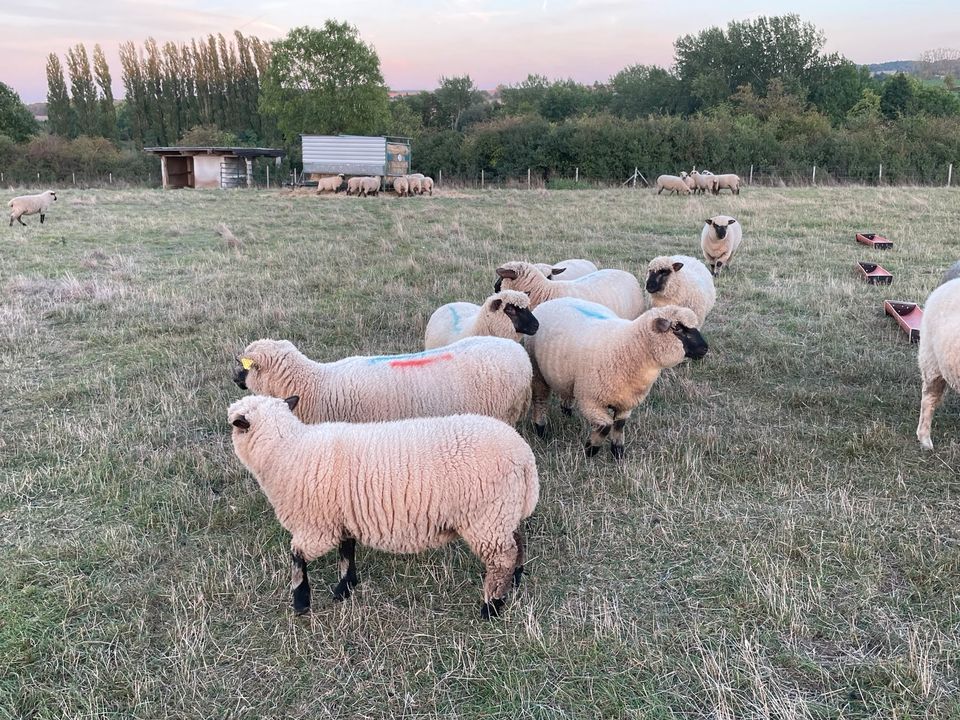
776, 543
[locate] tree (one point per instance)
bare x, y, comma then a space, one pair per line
454, 96
83, 95
324, 81
16, 122
897, 97
59, 113
640, 90
207, 135
108, 110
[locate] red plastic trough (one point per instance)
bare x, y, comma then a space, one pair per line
907, 315
874, 240
874, 274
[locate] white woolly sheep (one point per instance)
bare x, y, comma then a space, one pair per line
482, 375
586, 354
354, 184
952, 272
571, 269
728, 181
672, 183
681, 280
617, 289
401, 487
704, 180
719, 241
689, 182
416, 184
31, 205
426, 185
401, 186
329, 184
939, 353
370, 186
506, 315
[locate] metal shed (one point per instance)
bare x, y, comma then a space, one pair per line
209, 167
356, 155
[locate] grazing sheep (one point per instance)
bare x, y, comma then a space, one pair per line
401, 487
354, 184
482, 375
681, 280
31, 205
952, 272
571, 269
426, 185
729, 182
586, 354
416, 184
939, 352
719, 241
506, 315
618, 290
672, 183
704, 180
329, 184
689, 182
402, 186
370, 186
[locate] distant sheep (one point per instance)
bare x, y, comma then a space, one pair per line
681, 280
704, 181
506, 315
329, 184
426, 185
401, 186
729, 182
481, 375
401, 487
605, 363
689, 182
370, 186
416, 184
672, 183
939, 353
719, 241
354, 184
616, 289
571, 269
31, 205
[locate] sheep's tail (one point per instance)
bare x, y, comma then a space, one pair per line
531, 484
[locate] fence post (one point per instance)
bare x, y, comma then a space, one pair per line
268, 177
111, 178
880, 176
949, 174
751, 176
813, 181
481, 179
74, 179
636, 171
528, 178
576, 176
38, 176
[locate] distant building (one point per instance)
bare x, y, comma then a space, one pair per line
209, 167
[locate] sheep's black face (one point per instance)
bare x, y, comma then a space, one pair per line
694, 346
657, 280
721, 231
523, 320
240, 376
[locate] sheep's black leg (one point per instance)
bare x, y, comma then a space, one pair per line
596, 439
42, 216
616, 438
20, 220
348, 569
299, 583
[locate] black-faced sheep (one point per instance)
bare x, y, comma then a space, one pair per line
719, 241
681, 280
31, 205
505, 314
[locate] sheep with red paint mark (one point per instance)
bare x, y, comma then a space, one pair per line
481, 375
401, 486
505, 314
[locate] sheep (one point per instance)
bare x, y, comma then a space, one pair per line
952, 272
505, 315
571, 269
672, 183
586, 354
689, 182
400, 487
416, 184
681, 280
426, 185
618, 290
704, 180
730, 182
370, 186
482, 375
353, 185
939, 352
719, 241
402, 186
329, 184
31, 205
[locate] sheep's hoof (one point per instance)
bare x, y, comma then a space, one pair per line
541, 430
491, 610
342, 589
591, 450
617, 451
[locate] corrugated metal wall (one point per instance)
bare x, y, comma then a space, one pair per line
347, 154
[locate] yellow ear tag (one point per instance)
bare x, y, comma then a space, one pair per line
246, 363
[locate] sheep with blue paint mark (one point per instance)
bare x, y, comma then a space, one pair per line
617, 289
480, 375
603, 363
505, 314
570, 269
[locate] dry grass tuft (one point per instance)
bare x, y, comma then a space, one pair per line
232, 241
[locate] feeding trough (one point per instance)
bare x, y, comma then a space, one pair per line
874, 240
907, 315
874, 274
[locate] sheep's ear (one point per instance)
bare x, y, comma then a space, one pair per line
661, 325
506, 273
241, 422
510, 310
292, 402
676, 266
731, 223
495, 304
556, 271
708, 221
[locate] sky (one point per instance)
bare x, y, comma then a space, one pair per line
494, 41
